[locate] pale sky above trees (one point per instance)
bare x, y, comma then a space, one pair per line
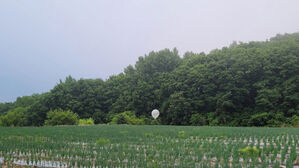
44, 41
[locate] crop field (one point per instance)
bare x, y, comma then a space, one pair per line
148, 146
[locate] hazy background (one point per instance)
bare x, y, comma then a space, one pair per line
42, 41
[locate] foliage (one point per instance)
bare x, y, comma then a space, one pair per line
293, 121
61, 117
15, 117
81, 97
88, 121
99, 117
198, 119
244, 84
260, 119
126, 117
5, 107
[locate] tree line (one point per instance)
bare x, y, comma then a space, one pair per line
244, 84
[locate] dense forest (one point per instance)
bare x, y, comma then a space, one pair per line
245, 84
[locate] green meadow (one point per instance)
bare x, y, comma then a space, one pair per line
148, 146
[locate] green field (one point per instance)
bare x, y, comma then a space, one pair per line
148, 146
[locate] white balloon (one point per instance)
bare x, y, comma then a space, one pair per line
155, 113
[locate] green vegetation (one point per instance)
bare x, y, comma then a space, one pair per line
88, 121
249, 151
60, 117
148, 146
245, 84
181, 134
103, 141
126, 117
14, 117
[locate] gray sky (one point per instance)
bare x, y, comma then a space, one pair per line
42, 41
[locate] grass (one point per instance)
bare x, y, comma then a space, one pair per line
149, 146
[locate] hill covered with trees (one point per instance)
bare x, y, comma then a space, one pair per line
245, 84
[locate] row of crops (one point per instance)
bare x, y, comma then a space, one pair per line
148, 146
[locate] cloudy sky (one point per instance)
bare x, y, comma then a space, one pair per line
42, 41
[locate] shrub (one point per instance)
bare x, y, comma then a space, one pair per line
260, 119
197, 119
99, 117
15, 117
127, 117
60, 117
87, 121
293, 121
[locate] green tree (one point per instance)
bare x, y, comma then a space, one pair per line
198, 119
244, 84
15, 117
61, 117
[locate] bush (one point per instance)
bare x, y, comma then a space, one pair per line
197, 119
88, 121
260, 119
293, 121
99, 117
15, 117
60, 117
127, 117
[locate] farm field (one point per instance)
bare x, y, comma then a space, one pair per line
148, 146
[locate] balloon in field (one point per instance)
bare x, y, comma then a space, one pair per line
155, 113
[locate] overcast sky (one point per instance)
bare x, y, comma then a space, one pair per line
42, 41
